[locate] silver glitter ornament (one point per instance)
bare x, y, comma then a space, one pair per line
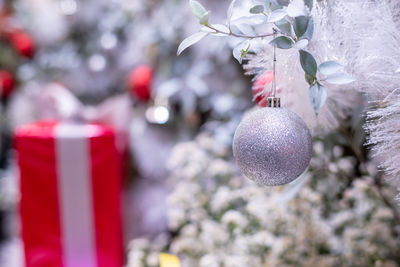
272, 146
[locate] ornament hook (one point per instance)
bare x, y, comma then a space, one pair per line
274, 102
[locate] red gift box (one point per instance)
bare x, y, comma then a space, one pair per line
70, 195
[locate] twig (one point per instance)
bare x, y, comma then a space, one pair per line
240, 35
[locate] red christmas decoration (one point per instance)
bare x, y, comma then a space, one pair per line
139, 82
259, 94
6, 83
22, 43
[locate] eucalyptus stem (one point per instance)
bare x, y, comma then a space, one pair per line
240, 35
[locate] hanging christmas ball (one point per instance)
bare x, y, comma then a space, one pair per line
272, 146
22, 43
139, 82
6, 83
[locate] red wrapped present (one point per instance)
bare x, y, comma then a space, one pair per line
70, 195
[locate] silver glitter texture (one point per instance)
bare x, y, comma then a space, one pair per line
272, 146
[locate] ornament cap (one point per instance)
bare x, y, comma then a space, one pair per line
273, 102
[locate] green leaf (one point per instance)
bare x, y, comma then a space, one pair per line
191, 40
310, 30
197, 9
317, 96
284, 26
329, 67
283, 2
264, 3
243, 52
277, 15
300, 25
339, 78
257, 9
309, 79
275, 5
240, 51
282, 42
309, 4
204, 19
308, 63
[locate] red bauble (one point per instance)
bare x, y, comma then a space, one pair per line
139, 82
259, 94
22, 43
6, 83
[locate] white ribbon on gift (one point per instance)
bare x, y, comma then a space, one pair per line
56, 102
75, 195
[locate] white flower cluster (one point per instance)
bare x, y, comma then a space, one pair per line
328, 217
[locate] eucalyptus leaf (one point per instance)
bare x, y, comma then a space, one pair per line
308, 63
283, 2
309, 4
265, 3
284, 26
310, 30
329, 67
300, 25
257, 9
191, 40
229, 13
317, 96
243, 28
251, 20
275, 5
197, 9
282, 42
204, 18
296, 8
276, 15
339, 78
241, 50
301, 44
309, 79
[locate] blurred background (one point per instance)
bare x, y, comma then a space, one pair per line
114, 62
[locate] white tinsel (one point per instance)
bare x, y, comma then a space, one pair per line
371, 39
384, 128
